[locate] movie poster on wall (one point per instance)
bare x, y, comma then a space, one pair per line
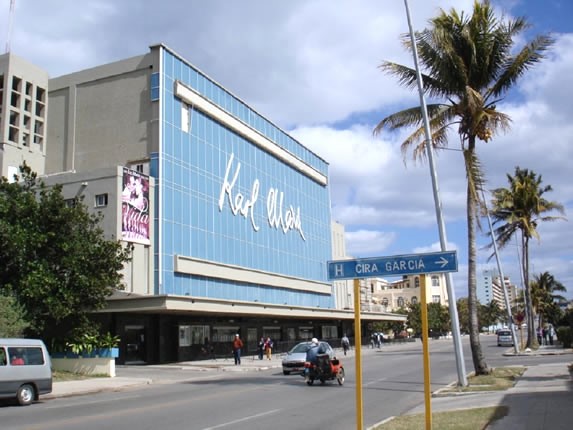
135, 207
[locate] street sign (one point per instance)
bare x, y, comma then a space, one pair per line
396, 265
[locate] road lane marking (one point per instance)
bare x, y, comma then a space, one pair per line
250, 417
92, 402
76, 421
374, 382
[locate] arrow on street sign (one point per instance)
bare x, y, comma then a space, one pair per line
396, 265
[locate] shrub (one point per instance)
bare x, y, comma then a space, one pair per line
565, 336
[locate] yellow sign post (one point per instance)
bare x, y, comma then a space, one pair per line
422, 264
358, 349
426, 354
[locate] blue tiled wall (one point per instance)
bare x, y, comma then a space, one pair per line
193, 168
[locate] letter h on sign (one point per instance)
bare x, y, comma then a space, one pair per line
339, 270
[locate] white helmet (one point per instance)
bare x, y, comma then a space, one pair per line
314, 340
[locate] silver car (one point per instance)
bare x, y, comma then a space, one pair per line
504, 338
293, 362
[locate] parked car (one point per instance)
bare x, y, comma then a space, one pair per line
293, 362
504, 338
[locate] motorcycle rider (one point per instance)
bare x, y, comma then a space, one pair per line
312, 353
316, 351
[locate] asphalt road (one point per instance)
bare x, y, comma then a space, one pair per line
392, 385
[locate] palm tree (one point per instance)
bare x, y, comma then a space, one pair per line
490, 314
519, 209
544, 294
470, 64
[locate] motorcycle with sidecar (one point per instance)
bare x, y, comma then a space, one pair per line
324, 369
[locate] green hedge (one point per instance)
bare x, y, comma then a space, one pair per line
565, 336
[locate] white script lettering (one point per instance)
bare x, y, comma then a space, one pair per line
278, 217
237, 203
291, 220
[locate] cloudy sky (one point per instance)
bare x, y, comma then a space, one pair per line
311, 67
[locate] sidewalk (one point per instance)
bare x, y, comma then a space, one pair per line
541, 399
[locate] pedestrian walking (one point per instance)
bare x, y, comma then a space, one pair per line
261, 347
379, 340
551, 334
539, 335
237, 345
345, 342
269, 347
545, 332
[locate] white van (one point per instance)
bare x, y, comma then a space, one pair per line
25, 370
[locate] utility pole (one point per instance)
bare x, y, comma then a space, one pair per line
462, 378
502, 279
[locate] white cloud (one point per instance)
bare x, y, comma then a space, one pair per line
368, 242
310, 66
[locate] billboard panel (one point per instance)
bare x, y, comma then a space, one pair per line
135, 207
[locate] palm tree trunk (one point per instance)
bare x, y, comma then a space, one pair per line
531, 337
480, 366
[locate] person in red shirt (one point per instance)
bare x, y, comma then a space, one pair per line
237, 345
17, 359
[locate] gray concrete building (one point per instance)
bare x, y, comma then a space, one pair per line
23, 115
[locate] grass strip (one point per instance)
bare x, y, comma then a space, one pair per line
465, 419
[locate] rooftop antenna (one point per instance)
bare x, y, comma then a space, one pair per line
10, 24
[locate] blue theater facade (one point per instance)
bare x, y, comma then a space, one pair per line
239, 215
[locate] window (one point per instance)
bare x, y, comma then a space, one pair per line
435, 281
400, 302
139, 168
184, 335
224, 333
16, 83
414, 300
41, 95
305, 333
70, 202
14, 118
416, 282
329, 332
28, 356
39, 127
15, 100
40, 109
101, 200
185, 119
385, 301
154, 87
436, 299
273, 332
199, 334
3, 360
13, 134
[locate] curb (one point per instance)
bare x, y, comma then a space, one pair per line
94, 390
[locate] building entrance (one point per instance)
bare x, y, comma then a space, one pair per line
135, 344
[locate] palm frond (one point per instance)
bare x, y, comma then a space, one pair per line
408, 78
515, 67
474, 176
